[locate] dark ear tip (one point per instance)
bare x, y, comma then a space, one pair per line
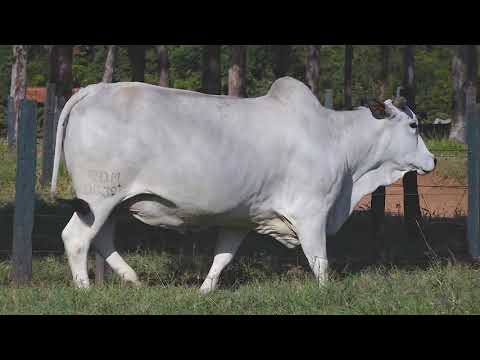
377, 108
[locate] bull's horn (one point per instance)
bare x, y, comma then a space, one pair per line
400, 102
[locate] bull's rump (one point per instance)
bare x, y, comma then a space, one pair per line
205, 154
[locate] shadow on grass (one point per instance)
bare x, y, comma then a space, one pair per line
185, 259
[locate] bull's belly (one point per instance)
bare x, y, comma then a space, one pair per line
159, 214
156, 212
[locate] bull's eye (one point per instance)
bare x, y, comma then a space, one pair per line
414, 125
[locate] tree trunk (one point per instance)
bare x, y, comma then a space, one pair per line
211, 80
313, 69
281, 60
237, 72
348, 76
464, 74
384, 72
110, 64
413, 215
136, 54
18, 85
163, 65
60, 71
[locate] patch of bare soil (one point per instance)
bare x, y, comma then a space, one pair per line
439, 197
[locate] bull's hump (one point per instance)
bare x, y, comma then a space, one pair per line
290, 90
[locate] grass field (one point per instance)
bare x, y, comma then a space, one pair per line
249, 287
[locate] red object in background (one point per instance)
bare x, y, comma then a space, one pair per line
39, 94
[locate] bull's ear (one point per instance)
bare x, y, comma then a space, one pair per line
377, 108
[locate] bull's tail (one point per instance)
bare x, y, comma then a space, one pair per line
62, 124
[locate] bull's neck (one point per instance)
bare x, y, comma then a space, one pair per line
361, 137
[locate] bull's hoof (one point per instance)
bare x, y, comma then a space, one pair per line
205, 290
136, 284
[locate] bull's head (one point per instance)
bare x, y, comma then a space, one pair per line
403, 144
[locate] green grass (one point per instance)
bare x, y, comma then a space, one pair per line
8, 166
440, 289
452, 159
439, 145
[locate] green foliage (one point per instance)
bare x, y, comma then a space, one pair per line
434, 83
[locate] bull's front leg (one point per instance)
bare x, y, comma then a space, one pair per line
229, 241
313, 239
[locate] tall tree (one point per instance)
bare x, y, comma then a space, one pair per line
384, 71
136, 54
313, 68
18, 85
211, 80
464, 74
413, 215
281, 55
237, 82
163, 65
60, 69
348, 76
110, 64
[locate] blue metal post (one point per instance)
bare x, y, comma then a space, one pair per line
473, 140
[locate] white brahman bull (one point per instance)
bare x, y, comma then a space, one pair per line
279, 164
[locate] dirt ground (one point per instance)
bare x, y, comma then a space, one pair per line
439, 197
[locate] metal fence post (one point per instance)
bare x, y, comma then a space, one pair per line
328, 99
24, 193
11, 115
473, 138
49, 131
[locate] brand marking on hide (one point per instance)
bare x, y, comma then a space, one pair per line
103, 183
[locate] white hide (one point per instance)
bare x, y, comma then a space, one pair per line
280, 164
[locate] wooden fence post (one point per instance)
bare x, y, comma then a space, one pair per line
473, 137
11, 115
378, 218
49, 131
24, 192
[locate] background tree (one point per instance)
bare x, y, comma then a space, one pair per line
60, 69
18, 84
384, 71
281, 58
238, 71
136, 54
211, 80
110, 64
313, 68
348, 76
163, 65
464, 74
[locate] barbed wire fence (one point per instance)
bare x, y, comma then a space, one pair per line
394, 191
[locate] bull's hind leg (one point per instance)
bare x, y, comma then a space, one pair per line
104, 245
77, 237
229, 241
